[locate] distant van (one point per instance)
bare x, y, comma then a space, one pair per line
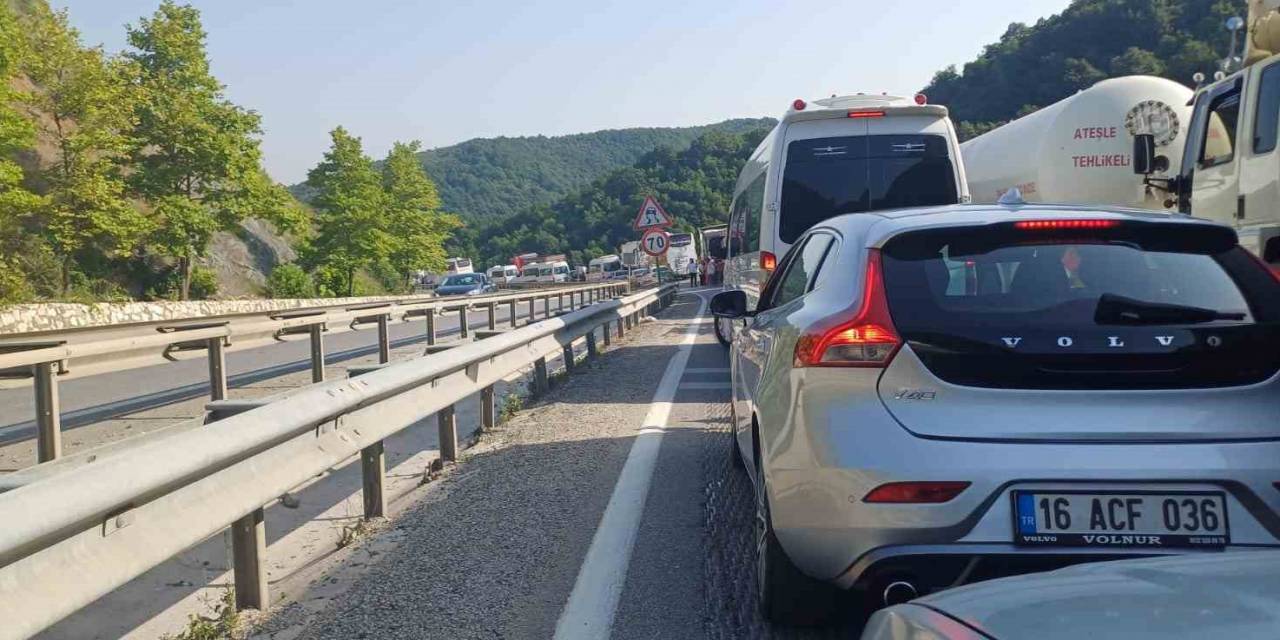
846, 154
503, 274
554, 272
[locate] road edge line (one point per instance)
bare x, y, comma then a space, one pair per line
589, 612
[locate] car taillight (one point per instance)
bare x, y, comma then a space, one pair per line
867, 338
1273, 269
866, 114
1028, 225
768, 261
915, 492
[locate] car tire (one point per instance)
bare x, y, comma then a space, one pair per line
722, 332
784, 595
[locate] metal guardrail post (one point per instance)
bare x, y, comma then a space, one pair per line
493, 316
488, 408
620, 332
317, 352
591, 344
373, 466
546, 306
447, 420
540, 382
463, 325
48, 413
217, 369
431, 326
249, 555
560, 301
373, 473
531, 301
384, 339
511, 312
568, 358
249, 533
606, 331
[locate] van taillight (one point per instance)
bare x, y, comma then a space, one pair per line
768, 261
865, 338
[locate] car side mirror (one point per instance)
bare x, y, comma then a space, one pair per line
729, 304
1144, 154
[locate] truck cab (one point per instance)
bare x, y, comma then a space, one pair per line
1230, 170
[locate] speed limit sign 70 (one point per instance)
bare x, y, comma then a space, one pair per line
654, 242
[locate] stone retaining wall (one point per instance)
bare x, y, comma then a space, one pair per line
56, 316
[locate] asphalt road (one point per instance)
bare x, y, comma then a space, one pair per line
88, 400
580, 518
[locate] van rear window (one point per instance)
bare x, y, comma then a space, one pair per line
826, 177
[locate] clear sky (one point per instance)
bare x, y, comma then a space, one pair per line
444, 72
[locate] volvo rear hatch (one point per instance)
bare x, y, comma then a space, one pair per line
1094, 329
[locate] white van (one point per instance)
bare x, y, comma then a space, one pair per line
845, 154
554, 272
603, 267
503, 274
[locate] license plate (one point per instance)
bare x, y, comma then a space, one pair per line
1176, 519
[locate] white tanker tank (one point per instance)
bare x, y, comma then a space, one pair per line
1078, 150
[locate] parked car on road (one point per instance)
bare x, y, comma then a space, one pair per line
1231, 595
465, 284
923, 396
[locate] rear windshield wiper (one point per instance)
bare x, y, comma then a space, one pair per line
1113, 309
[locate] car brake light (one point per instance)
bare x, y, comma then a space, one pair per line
1065, 224
866, 114
867, 340
915, 492
922, 99
768, 261
798, 105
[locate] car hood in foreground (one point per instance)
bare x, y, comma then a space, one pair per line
1204, 595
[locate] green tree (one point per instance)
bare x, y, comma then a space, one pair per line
413, 212
80, 103
1136, 61
16, 202
351, 220
195, 155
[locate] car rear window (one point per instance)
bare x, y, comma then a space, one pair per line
1067, 310
826, 177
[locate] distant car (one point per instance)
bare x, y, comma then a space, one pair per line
1229, 595
922, 396
465, 284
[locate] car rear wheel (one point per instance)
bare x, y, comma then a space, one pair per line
784, 594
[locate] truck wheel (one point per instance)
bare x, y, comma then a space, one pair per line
785, 595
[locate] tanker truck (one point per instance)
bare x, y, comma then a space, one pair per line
1230, 170
1077, 150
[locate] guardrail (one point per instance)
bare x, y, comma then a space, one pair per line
46, 357
101, 520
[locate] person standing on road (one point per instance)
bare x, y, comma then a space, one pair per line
711, 272
691, 270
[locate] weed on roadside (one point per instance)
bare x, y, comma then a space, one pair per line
222, 623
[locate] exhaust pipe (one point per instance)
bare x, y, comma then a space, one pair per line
899, 592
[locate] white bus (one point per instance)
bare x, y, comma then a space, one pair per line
846, 154
679, 250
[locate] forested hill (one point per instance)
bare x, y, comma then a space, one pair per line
1034, 66
489, 177
694, 184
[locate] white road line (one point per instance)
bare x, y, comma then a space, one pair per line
704, 385
588, 615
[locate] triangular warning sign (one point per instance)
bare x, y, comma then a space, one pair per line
651, 215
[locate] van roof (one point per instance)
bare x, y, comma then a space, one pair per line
843, 106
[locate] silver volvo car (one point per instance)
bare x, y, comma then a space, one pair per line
930, 397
